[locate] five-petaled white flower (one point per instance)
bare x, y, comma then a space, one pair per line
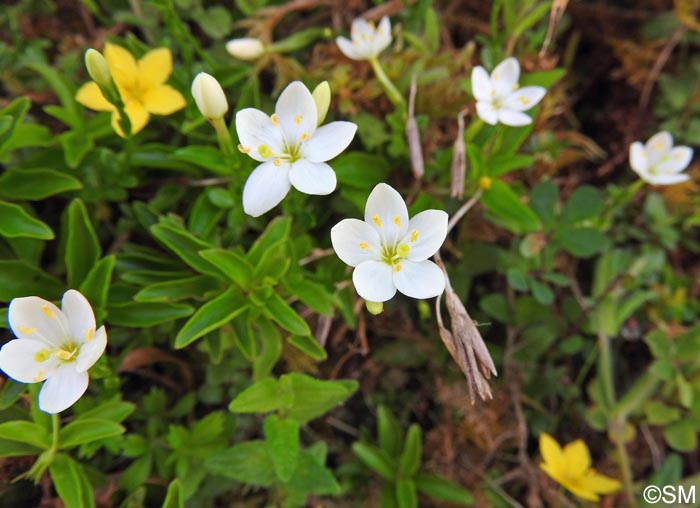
388, 251
291, 147
499, 98
658, 162
367, 40
55, 345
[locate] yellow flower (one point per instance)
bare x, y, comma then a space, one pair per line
141, 86
571, 467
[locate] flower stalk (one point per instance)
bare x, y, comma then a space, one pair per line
389, 88
223, 136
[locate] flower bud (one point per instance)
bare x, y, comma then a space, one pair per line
209, 96
246, 48
374, 308
97, 68
322, 98
485, 183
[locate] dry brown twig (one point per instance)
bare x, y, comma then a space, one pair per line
413, 135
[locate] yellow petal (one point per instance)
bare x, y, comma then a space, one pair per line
577, 457
138, 116
90, 96
163, 100
600, 483
155, 67
122, 65
552, 454
581, 491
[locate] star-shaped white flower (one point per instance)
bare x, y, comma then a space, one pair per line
58, 346
388, 251
499, 98
658, 162
291, 147
367, 40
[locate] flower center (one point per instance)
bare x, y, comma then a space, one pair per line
68, 352
392, 255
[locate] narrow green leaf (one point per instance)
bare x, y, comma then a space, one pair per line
390, 433
15, 221
409, 463
95, 286
82, 246
314, 397
276, 231
282, 437
406, 495
35, 184
443, 489
185, 245
21, 279
86, 430
178, 289
232, 264
145, 314
506, 206
307, 344
70, 483
271, 350
210, 316
174, 497
375, 459
248, 462
312, 477
285, 316
10, 448
26, 432
261, 397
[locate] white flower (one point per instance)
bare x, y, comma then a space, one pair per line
291, 147
499, 99
658, 162
388, 251
55, 345
367, 40
245, 48
209, 96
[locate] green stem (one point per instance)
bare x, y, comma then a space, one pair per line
46, 458
394, 95
605, 370
56, 425
616, 434
640, 392
473, 129
223, 135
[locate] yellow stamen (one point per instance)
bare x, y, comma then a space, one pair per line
264, 151
414, 236
48, 312
62, 354
516, 86
375, 219
89, 335
277, 162
274, 119
397, 267
485, 183
402, 250
42, 355
524, 101
495, 76
364, 245
24, 329
657, 146
305, 136
243, 149
39, 377
372, 25
397, 221
297, 119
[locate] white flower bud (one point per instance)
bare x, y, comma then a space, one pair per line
246, 48
322, 98
209, 96
97, 68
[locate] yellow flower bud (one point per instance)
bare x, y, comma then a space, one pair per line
246, 48
485, 183
322, 98
209, 96
97, 68
375, 308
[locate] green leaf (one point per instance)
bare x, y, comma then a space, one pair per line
682, 435
16, 222
35, 184
361, 170
658, 413
375, 459
210, 316
145, 314
185, 245
86, 430
178, 289
9, 448
205, 157
282, 437
307, 344
285, 316
232, 264
517, 279
406, 495
313, 397
443, 489
26, 432
312, 294
261, 397
95, 286
276, 231
312, 477
174, 498
506, 206
501, 164
76, 145
581, 242
115, 410
271, 350
542, 292
390, 433
248, 462
585, 203
21, 279
71, 483
543, 200
409, 463
9, 393
82, 246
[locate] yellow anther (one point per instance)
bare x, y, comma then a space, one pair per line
243, 149
47, 311
274, 119
516, 86
89, 334
305, 136
493, 93
414, 236
397, 267
297, 119
485, 183
524, 101
24, 329
397, 221
364, 245
372, 25
264, 151
39, 377
62, 354
402, 250
375, 219
494, 76
42, 355
277, 162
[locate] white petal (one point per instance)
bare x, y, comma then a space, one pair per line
91, 351
426, 234
32, 317
19, 359
255, 129
677, 160
355, 241
513, 118
78, 311
525, 98
481, 84
296, 112
350, 50
386, 212
659, 143
383, 35
316, 178
266, 186
638, 157
487, 112
372, 280
505, 76
666, 179
62, 389
329, 141
419, 280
